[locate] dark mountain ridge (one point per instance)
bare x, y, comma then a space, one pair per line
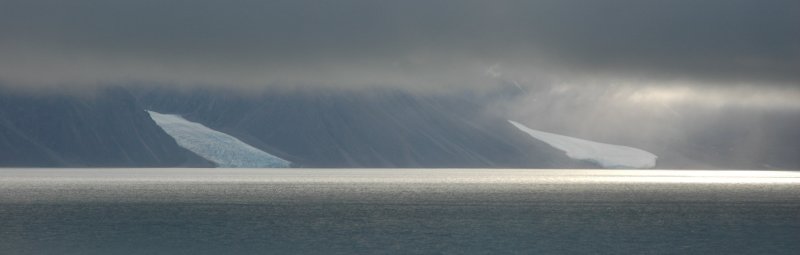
106, 128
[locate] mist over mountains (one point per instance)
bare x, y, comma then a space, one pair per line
415, 83
376, 128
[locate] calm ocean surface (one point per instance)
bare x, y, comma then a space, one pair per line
390, 211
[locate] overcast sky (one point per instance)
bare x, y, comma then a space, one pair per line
415, 44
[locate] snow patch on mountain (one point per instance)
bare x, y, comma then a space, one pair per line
606, 155
215, 146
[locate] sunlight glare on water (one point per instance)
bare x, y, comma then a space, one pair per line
347, 211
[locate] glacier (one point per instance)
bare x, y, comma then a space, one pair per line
605, 155
222, 149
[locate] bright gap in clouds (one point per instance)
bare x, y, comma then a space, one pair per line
717, 97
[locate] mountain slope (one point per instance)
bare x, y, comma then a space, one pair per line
362, 129
102, 129
220, 148
605, 155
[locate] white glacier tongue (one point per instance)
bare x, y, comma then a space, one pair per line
215, 146
606, 155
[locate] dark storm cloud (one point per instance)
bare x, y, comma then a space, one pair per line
400, 43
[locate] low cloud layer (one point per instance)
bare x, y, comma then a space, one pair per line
407, 44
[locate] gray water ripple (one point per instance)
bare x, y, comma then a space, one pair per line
405, 211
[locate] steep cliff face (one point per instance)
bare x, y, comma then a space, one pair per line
363, 129
103, 129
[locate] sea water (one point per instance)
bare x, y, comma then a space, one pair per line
405, 211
